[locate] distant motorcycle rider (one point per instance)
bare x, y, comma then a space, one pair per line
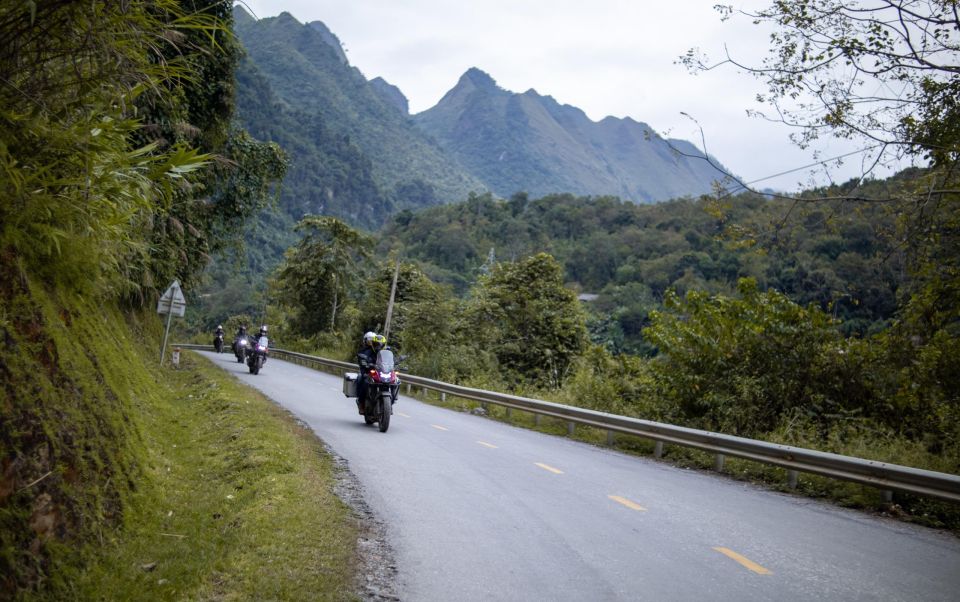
218, 338
241, 334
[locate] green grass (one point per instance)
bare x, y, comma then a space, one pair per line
236, 503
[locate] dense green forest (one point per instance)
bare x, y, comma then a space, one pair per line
835, 254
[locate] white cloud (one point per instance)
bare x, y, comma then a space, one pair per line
607, 57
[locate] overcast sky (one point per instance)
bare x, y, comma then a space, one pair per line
606, 57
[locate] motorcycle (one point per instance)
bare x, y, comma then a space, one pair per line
257, 355
218, 342
382, 387
240, 347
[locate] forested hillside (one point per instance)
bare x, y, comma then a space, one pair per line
354, 154
834, 255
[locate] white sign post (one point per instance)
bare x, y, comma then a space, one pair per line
171, 303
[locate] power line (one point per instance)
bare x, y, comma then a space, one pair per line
821, 162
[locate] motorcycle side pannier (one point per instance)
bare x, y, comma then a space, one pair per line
350, 384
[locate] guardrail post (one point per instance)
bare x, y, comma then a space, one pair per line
408, 388
792, 476
443, 396
508, 412
536, 419
570, 428
610, 440
658, 449
718, 462
887, 496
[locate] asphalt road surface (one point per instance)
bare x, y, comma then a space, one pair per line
478, 510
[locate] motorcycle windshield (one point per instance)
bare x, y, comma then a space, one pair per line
263, 342
385, 361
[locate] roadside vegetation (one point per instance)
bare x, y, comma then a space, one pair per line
236, 502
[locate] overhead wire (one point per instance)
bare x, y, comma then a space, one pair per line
814, 164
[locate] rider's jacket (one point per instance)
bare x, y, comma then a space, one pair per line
367, 358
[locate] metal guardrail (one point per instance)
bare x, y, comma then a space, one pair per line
885, 476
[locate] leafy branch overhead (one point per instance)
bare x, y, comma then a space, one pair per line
883, 71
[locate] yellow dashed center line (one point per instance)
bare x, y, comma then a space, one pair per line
439, 428
746, 562
550, 468
402, 414
627, 503
485, 444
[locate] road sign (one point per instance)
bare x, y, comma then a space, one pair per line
172, 301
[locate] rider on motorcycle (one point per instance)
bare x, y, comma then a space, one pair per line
219, 331
367, 360
256, 338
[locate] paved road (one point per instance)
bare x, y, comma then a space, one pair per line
478, 510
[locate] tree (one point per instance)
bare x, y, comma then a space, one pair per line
886, 73
534, 325
741, 364
320, 274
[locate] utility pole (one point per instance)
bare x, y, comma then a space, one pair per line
393, 292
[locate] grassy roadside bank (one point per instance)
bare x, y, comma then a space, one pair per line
236, 503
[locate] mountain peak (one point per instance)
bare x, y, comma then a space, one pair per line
241, 17
478, 78
330, 38
391, 94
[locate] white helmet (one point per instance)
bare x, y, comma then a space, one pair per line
368, 338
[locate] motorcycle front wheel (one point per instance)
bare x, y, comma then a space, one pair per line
383, 413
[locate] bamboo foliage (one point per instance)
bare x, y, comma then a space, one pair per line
114, 126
